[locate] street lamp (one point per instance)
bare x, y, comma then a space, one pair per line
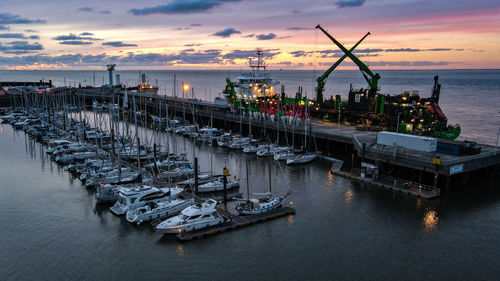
185, 88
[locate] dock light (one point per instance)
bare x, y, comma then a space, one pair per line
179, 230
291, 203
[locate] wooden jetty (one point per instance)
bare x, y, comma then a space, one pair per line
235, 222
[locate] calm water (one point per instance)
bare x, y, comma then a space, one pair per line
470, 98
51, 228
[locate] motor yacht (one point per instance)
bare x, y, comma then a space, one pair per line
156, 210
133, 197
194, 217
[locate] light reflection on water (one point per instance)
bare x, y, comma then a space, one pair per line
349, 195
328, 205
180, 250
430, 220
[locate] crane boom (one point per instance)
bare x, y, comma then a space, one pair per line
322, 78
374, 77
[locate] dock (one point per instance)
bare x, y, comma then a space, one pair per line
393, 184
331, 139
235, 222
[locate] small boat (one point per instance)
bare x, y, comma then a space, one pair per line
302, 159
284, 155
225, 139
259, 206
156, 210
106, 193
271, 150
177, 173
252, 148
202, 178
217, 185
267, 203
194, 217
239, 143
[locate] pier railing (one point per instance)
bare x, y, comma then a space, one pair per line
402, 184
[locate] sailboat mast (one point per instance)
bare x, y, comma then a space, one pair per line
248, 185
305, 129
138, 141
269, 171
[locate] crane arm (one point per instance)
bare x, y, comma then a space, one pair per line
374, 77
325, 75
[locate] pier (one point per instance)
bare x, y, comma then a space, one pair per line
329, 139
235, 222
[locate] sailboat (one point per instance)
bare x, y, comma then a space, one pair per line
304, 157
264, 204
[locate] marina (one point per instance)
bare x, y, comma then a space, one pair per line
342, 192
249, 140
453, 170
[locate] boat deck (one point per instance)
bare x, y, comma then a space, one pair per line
235, 222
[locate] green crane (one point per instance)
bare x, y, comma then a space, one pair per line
373, 77
322, 79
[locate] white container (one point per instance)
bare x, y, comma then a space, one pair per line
412, 142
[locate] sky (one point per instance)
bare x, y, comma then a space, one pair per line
223, 34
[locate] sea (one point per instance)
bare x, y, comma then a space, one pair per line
52, 229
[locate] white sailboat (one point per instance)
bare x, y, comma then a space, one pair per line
303, 157
264, 204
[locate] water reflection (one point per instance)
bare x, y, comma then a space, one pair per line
430, 220
348, 196
330, 178
180, 250
291, 219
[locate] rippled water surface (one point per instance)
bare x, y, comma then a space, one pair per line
51, 228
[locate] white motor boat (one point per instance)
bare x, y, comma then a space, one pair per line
133, 197
217, 185
225, 139
302, 159
153, 210
106, 193
194, 217
54, 144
